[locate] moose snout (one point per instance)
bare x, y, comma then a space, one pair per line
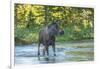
61, 32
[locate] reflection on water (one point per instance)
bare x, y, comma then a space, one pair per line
46, 59
65, 52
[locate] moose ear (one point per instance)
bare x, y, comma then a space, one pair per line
58, 22
54, 22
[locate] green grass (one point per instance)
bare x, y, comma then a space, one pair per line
81, 53
85, 46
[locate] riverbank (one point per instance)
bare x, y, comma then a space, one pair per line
24, 42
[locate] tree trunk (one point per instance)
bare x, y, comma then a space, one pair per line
46, 16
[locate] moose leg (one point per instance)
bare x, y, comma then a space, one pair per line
38, 49
47, 50
44, 51
53, 46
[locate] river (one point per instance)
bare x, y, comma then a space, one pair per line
65, 52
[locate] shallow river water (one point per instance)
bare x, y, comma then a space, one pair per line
65, 52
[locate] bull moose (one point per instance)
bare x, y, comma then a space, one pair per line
47, 36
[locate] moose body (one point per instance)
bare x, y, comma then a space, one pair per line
47, 36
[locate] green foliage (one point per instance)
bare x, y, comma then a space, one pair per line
78, 23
